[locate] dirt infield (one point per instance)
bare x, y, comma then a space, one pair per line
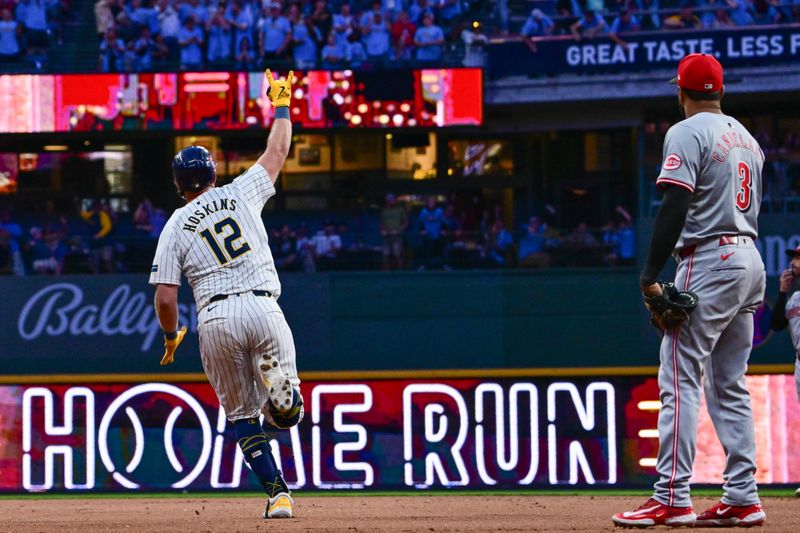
345, 513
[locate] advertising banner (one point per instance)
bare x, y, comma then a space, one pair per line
373, 434
209, 101
755, 46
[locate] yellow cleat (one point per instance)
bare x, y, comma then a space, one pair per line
280, 506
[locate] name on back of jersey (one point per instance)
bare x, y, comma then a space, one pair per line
206, 210
731, 140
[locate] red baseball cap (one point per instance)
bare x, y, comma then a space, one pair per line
699, 72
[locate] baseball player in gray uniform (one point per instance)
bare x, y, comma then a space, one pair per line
787, 311
711, 177
218, 241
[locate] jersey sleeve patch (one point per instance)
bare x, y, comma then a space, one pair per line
672, 162
154, 268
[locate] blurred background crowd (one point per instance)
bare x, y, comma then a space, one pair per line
145, 35
411, 233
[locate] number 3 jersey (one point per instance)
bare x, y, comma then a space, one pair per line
715, 157
218, 241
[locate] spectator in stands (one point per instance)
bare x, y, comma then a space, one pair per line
241, 20
143, 15
53, 221
284, 249
170, 26
275, 34
321, 17
343, 25
537, 25
532, 252
649, 14
355, 53
589, 26
190, 39
112, 50
367, 18
143, 50
160, 52
193, 9
449, 11
417, 11
376, 38
101, 248
327, 245
764, 13
432, 230
626, 22
499, 246
246, 58
6, 262
305, 249
739, 12
475, 44
394, 221
333, 55
581, 237
9, 33
716, 20
685, 20
403, 31
33, 15
46, 254
429, 40
13, 232
305, 39
622, 242
103, 18
218, 31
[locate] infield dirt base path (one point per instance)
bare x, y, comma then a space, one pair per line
345, 513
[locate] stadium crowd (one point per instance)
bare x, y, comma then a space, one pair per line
29, 27
596, 18
89, 238
248, 34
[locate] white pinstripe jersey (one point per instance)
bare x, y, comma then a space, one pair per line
218, 241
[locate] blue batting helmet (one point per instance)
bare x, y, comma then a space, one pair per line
193, 169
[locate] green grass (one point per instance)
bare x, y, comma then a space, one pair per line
700, 492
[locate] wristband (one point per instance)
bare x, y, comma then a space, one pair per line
171, 335
282, 112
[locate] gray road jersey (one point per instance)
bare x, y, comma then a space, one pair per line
218, 241
716, 158
793, 316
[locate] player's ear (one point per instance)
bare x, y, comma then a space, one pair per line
721, 92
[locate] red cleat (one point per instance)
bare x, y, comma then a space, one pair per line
653, 513
722, 515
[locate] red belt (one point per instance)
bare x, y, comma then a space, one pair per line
686, 251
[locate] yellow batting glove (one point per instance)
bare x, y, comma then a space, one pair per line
280, 91
170, 345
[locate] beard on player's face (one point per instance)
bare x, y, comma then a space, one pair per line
795, 266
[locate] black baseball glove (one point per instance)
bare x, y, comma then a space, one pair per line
671, 308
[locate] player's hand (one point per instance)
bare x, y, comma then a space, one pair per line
787, 278
171, 345
654, 289
280, 91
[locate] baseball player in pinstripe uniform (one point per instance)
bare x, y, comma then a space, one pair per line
711, 176
218, 241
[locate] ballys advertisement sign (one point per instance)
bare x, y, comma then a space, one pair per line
80, 324
64, 309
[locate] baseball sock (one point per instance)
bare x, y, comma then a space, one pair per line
257, 453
